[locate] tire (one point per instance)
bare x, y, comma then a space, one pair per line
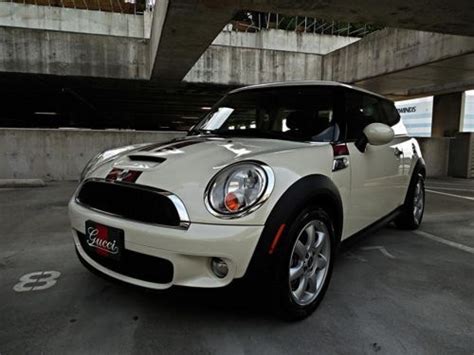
289, 301
413, 209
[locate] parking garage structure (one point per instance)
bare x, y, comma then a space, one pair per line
79, 77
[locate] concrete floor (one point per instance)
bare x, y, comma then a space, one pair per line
413, 295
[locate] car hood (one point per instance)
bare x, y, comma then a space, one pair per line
201, 152
185, 166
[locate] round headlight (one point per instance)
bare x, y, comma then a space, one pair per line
239, 189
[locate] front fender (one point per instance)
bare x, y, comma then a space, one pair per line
317, 190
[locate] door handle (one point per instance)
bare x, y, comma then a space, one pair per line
397, 152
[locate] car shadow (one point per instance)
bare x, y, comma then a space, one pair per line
239, 300
236, 300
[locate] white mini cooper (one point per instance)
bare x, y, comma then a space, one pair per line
265, 187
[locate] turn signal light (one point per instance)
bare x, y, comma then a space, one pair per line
232, 202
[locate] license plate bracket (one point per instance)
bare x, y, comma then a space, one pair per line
104, 241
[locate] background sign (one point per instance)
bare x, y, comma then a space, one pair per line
468, 125
417, 115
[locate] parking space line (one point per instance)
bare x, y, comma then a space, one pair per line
451, 195
450, 188
445, 241
462, 182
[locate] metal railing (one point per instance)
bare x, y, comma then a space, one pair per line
259, 21
137, 7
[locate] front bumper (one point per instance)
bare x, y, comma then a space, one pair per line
189, 250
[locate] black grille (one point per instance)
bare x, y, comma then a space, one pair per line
134, 202
139, 266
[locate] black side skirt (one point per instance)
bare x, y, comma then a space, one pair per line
355, 238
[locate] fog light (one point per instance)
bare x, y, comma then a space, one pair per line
219, 267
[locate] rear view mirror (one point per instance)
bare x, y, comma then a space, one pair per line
378, 134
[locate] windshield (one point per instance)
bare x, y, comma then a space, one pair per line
292, 113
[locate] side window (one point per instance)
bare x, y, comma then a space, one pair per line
361, 110
313, 123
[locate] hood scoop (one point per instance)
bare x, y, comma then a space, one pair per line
138, 161
146, 158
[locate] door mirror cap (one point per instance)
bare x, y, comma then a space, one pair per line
378, 134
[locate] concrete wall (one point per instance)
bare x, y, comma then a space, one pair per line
281, 40
72, 54
74, 20
54, 154
61, 154
245, 66
436, 154
239, 58
24, 50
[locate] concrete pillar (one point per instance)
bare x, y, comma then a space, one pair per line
181, 32
447, 112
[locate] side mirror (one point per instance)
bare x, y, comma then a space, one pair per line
375, 134
379, 134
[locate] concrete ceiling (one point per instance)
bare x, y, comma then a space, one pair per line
429, 79
453, 17
402, 63
183, 29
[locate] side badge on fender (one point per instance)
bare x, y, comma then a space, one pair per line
341, 160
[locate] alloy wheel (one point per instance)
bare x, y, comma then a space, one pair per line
309, 262
418, 201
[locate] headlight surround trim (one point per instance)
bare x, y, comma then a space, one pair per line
264, 171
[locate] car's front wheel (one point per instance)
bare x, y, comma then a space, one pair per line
304, 264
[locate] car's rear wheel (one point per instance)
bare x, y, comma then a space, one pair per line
414, 206
304, 265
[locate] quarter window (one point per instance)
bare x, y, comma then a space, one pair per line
392, 117
362, 109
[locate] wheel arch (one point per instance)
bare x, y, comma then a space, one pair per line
312, 190
420, 168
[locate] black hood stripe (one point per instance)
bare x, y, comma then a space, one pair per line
175, 144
